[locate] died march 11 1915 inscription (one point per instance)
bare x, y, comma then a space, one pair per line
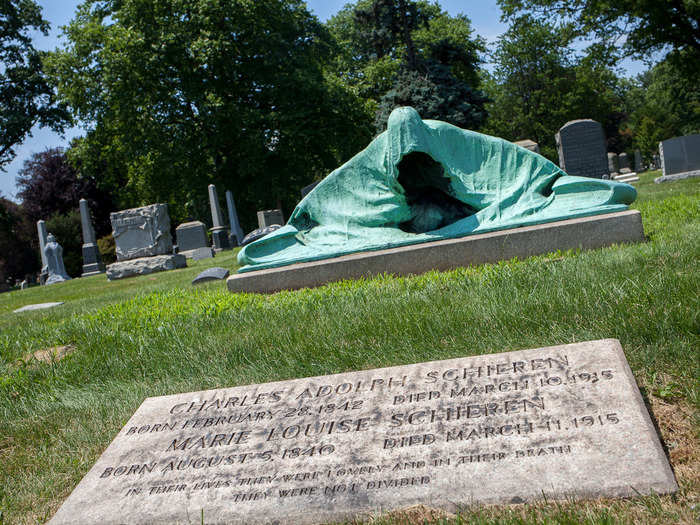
559, 422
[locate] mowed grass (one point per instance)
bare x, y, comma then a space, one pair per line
156, 335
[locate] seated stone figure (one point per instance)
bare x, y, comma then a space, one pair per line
425, 180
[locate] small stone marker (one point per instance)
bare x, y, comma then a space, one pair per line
612, 164
551, 423
624, 161
211, 274
38, 306
201, 253
638, 164
191, 236
219, 234
259, 234
582, 149
528, 144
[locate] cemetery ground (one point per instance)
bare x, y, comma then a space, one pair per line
156, 335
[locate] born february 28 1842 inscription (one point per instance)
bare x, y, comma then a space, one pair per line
558, 422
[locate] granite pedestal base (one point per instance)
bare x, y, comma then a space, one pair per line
92, 262
586, 232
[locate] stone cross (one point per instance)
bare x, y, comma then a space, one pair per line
92, 262
218, 231
236, 231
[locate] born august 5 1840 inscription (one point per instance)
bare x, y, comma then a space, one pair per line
558, 422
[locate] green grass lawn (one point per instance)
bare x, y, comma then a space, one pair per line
157, 334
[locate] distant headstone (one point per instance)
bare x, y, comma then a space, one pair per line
141, 232
92, 261
528, 144
39, 306
144, 244
191, 236
54, 261
41, 230
613, 166
219, 234
211, 274
259, 234
638, 164
207, 252
656, 162
23, 285
558, 423
624, 163
269, 217
680, 158
582, 149
307, 189
236, 231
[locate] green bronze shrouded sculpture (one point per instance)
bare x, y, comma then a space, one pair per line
426, 180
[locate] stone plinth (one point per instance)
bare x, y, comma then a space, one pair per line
586, 232
528, 144
142, 232
557, 423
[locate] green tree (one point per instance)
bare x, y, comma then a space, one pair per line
539, 84
645, 26
26, 99
404, 52
19, 250
664, 103
180, 94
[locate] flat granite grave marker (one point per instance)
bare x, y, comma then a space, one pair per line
550, 423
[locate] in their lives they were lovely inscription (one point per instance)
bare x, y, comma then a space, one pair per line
559, 422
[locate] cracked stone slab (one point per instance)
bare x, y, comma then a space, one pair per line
557, 423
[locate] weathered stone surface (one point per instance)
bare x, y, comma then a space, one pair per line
613, 165
38, 306
638, 164
141, 232
236, 231
560, 422
269, 218
92, 261
211, 274
190, 236
145, 265
582, 149
528, 144
56, 271
624, 162
587, 233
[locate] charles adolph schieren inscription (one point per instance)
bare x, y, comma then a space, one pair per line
559, 422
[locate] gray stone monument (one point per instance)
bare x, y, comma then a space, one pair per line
236, 231
582, 149
269, 217
192, 239
92, 261
613, 166
143, 242
638, 164
624, 161
680, 158
558, 423
54, 261
219, 234
41, 229
528, 144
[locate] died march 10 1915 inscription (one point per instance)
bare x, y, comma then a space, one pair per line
559, 422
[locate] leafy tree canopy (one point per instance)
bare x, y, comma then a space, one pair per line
19, 252
26, 99
405, 52
644, 26
539, 84
180, 94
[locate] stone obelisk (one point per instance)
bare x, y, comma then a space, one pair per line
92, 262
218, 231
41, 229
236, 231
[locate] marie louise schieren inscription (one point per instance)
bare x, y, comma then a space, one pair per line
557, 422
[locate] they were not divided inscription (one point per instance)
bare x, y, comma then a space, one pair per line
557, 422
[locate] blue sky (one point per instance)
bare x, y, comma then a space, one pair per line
485, 16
